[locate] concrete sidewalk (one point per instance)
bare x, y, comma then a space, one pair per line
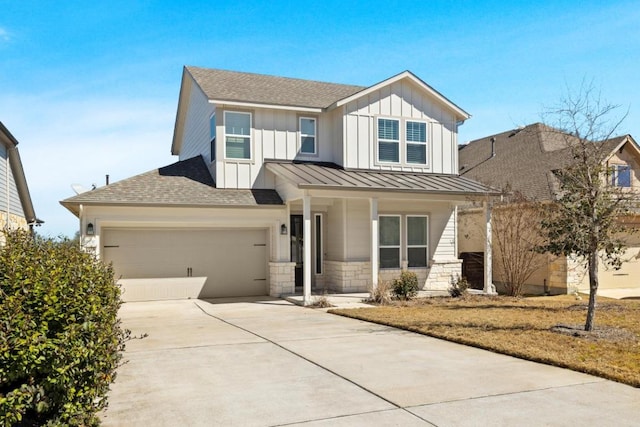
266, 362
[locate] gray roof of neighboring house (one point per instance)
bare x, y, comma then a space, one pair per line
331, 176
11, 144
236, 86
525, 159
185, 183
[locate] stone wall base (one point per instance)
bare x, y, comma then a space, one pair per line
347, 276
282, 280
441, 273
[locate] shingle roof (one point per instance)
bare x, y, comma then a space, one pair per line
185, 183
269, 90
332, 176
524, 160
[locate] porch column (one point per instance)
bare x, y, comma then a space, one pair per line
306, 283
488, 256
373, 203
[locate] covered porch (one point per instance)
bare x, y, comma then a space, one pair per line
349, 230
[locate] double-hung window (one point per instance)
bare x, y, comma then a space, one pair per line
389, 235
212, 135
416, 134
417, 241
308, 135
621, 176
237, 130
388, 140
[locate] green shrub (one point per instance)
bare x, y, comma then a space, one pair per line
406, 286
458, 286
60, 338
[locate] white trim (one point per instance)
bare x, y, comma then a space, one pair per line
223, 103
407, 142
301, 135
426, 245
399, 142
399, 246
240, 159
408, 75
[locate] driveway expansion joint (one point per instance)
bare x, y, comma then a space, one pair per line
312, 362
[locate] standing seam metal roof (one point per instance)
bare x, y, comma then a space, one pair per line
330, 175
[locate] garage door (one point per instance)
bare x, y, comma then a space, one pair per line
627, 277
166, 264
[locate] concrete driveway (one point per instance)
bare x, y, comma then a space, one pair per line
266, 362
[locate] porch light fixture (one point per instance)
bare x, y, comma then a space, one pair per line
283, 229
90, 230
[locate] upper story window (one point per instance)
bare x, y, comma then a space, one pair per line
412, 147
621, 176
237, 135
388, 140
212, 135
308, 133
416, 142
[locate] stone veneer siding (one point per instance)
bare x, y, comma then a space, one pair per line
355, 276
282, 280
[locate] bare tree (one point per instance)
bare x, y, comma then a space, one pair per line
587, 219
516, 225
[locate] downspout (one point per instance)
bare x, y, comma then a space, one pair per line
8, 193
21, 186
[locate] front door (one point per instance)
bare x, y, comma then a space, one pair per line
297, 246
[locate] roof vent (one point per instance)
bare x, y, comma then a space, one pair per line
493, 146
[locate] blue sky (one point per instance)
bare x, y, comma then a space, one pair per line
91, 88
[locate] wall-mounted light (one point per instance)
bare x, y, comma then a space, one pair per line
283, 229
90, 230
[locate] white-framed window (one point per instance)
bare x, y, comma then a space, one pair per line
389, 241
212, 135
416, 139
237, 135
308, 135
417, 240
318, 238
388, 140
621, 176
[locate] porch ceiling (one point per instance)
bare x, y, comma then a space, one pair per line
332, 176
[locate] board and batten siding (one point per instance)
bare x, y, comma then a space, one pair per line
274, 135
8, 187
400, 100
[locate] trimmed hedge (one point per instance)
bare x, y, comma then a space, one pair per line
60, 338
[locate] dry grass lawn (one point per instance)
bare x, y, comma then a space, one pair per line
528, 328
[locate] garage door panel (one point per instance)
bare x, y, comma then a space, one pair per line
233, 261
627, 277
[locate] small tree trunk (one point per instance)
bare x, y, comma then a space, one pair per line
593, 289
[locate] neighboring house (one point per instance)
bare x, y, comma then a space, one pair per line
284, 185
16, 208
524, 160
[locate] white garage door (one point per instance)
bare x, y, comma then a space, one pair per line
627, 277
165, 264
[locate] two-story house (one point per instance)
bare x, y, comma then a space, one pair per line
525, 160
284, 185
16, 207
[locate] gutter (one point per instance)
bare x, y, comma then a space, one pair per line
17, 170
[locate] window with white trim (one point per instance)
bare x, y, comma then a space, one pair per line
416, 139
212, 135
237, 135
388, 140
417, 240
389, 241
621, 176
308, 135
